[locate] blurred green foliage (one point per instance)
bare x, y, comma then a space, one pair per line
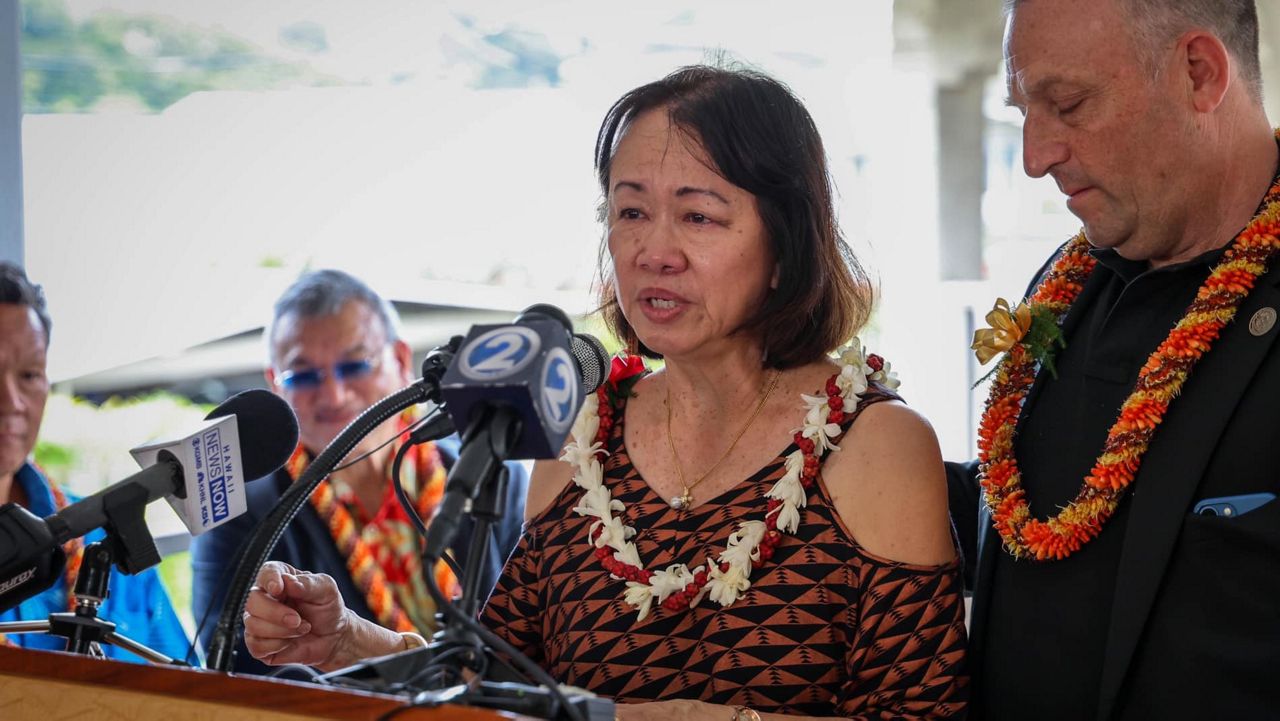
148, 61
84, 446
175, 574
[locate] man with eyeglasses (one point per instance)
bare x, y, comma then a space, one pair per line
335, 349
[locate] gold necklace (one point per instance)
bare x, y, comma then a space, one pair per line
685, 500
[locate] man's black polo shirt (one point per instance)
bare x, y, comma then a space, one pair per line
1047, 623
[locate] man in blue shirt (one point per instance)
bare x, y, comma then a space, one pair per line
138, 605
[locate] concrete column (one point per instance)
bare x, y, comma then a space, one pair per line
961, 177
1269, 38
11, 244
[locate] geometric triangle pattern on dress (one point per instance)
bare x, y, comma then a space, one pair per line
826, 628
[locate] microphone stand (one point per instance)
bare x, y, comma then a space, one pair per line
487, 443
129, 545
476, 487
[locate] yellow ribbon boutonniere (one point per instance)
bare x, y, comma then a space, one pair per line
1008, 327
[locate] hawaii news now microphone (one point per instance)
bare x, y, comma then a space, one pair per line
201, 474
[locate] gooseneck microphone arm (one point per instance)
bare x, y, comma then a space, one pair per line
268, 533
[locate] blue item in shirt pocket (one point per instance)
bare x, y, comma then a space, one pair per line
1232, 506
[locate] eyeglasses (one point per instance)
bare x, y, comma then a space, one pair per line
306, 379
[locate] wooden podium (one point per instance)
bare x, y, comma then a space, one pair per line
51, 686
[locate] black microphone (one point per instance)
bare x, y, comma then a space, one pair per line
516, 390
440, 364
260, 440
535, 367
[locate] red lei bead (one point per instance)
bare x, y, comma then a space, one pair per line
680, 600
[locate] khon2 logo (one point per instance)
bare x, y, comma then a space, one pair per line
500, 353
560, 390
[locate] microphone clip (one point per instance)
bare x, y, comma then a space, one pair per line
125, 509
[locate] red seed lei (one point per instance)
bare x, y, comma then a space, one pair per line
678, 587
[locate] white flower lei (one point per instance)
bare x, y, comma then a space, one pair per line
724, 587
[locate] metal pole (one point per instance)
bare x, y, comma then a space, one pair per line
11, 239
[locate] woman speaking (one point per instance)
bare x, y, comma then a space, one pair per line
760, 527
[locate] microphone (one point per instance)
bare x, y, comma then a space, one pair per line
467, 396
249, 436
592, 359
535, 367
516, 390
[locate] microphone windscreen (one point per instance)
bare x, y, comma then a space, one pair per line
31, 559
539, 311
592, 359
267, 427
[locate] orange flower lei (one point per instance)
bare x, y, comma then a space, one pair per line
73, 548
1159, 382
387, 597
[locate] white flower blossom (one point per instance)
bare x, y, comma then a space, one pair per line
794, 463
816, 428
640, 596
587, 424
816, 410
725, 587
628, 554
821, 436
672, 580
816, 417
788, 518
581, 457
788, 489
852, 381
852, 354
612, 532
572, 454
812, 402
744, 544
597, 503
886, 377
589, 476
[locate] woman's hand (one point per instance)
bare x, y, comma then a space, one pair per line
678, 710
294, 616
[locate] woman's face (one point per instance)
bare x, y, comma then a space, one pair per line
691, 258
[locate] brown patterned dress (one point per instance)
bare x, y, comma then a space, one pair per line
826, 629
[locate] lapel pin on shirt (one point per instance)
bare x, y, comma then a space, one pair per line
1262, 321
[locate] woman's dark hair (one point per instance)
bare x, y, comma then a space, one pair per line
759, 137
